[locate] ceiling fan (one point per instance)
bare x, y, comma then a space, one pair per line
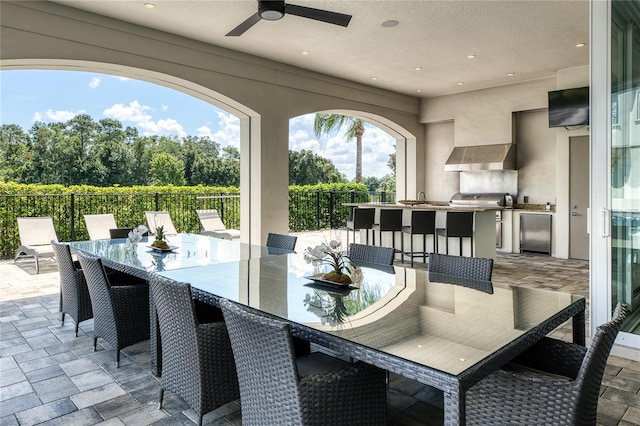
272, 10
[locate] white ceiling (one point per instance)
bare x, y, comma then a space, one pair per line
532, 39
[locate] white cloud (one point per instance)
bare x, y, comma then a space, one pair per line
55, 115
228, 130
164, 107
137, 114
205, 131
94, 83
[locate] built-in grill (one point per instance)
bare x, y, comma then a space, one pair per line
487, 199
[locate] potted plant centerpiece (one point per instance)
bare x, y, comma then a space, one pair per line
342, 268
160, 241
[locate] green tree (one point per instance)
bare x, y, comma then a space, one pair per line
166, 169
307, 168
392, 162
325, 123
14, 147
228, 170
200, 157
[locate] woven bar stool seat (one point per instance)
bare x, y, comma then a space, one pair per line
390, 221
459, 225
361, 219
423, 222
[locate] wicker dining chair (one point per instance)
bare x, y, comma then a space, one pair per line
371, 254
475, 268
554, 382
197, 361
120, 309
280, 241
74, 294
279, 388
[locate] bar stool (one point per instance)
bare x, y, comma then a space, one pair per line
390, 221
361, 219
458, 225
423, 222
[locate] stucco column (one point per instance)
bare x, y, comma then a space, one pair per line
264, 176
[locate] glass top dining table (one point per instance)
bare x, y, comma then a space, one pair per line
442, 331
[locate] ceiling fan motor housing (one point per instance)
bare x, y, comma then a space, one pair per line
271, 10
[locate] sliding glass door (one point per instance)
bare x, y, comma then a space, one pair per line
625, 159
615, 165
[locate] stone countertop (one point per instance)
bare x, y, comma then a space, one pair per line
442, 205
426, 206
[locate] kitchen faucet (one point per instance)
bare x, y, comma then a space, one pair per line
424, 196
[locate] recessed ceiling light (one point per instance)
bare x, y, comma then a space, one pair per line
390, 23
374, 78
419, 91
471, 56
460, 83
304, 53
417, 69
149, 5
510, 74
580, 44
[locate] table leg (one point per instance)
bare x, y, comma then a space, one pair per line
579, 337
454, 408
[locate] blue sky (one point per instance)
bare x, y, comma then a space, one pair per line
27, 96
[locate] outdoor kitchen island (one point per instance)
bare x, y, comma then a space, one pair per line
484, 227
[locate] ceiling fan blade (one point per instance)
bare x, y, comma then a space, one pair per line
248, 23
318, 14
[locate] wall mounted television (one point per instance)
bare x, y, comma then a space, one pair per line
569, 107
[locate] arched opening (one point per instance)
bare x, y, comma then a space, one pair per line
329, 157
237, 118
386, 134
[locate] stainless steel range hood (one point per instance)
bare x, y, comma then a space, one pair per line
482, 157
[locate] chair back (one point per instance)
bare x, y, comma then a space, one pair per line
594, 362
101, 301
475, 268
177, 322
160, 218
120, 233
74, 294
371, 254
210, 220
459, 224
280, 241
363, 218
265, 361
36, 231
423, 222
98, 225
390, 219
66, 266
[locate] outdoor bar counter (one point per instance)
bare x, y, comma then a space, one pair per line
484, 227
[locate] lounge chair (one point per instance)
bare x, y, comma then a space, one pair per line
98, 225
212, 225
36, 234
160, 218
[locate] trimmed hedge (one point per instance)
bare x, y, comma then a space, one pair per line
310, 207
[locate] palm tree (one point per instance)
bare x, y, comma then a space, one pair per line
325, 123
